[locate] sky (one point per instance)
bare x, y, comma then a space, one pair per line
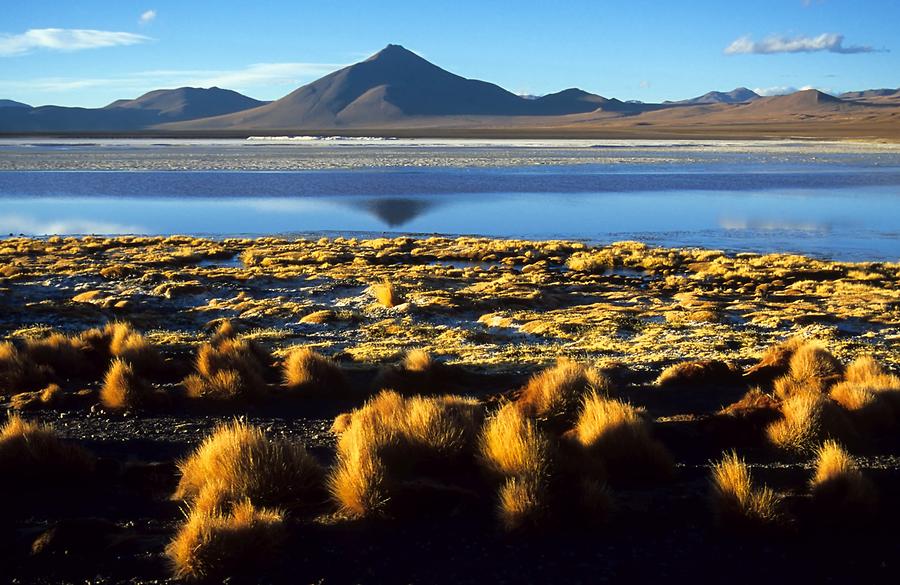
91, 52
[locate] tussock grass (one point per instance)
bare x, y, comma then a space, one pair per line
417, 373
811, 368
736, 502
50, 396
18, 372
58, 352
870, 394
518, 454
618, 436
123, 388
245, 463
307, 373
32, 454
212, 545
386, 294
557, 392
775, 361
698, 373
391, 441
228, 369
839, 488
808, 419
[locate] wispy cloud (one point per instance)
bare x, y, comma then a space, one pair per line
64, 39
258, 75
147, 16
826, 42
782, 89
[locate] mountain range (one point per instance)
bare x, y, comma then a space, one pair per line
396, 91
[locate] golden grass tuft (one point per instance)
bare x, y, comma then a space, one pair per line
246, 463
557, 392
307, 373
864, 370
123, 388
224, 331
736, 502
518, 454
386, 294
212, 545
813, 362
418, 373
17, 371
775, 361
58, 352
839, 487
31, 454
618, 435
697, 373
392, 440
808, 419
227, 370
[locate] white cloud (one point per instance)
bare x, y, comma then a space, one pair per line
64, 39
17, 224
148, 16
781, 90
258, 75
826, 42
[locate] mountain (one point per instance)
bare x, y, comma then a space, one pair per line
13, 104
391, 86
575, 101
151, 109
735, 96
807, 101
869, 93
187, 103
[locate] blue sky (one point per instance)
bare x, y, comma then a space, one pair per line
91, 52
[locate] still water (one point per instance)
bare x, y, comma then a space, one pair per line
838, 205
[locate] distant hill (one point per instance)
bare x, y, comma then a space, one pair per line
393, 85
869, 93
187, 103
13, 104
735, 96
800, 102
151, 109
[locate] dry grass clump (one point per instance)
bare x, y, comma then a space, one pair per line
58, 352
736, 502
18, 372
123, 388
307, 373
31, 454
556, 393
698, 373
518, 455
811, 368
392, 442
775, 361
242, 462
418, 373
808, 419
228, 369
212, 545
839, 488
593, 262
386, 294
50, 396
127, 344
618, 436
870, 393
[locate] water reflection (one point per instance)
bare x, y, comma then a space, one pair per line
394, 211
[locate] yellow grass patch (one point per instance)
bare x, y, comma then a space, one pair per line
212, 545
245, 463
736, 501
